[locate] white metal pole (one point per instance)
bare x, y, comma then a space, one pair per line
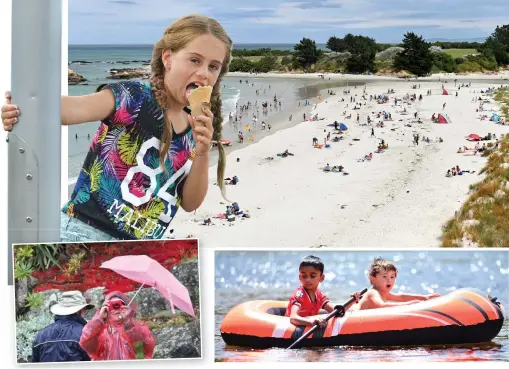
35, 142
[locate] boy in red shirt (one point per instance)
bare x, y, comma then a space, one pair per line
308, 300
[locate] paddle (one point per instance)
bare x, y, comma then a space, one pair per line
339, 311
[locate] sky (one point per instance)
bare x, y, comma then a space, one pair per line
282, 21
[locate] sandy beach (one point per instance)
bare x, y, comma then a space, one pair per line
401, 198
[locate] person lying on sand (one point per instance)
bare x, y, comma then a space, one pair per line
285, 154
382, 276
307, 301
338, 169
231, 181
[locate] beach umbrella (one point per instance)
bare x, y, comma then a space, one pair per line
343, 127
147, 271
247, 127
474, 137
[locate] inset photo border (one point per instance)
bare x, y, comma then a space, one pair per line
103, 301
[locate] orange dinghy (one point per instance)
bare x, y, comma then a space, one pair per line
462, 316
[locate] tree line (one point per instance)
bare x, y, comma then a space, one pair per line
361, 54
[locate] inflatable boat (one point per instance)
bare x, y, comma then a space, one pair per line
460, 317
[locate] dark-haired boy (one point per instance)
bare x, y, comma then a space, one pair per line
307, 301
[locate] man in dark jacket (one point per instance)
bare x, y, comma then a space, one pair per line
59, 341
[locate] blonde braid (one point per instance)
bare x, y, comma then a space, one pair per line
217, 124
157, 86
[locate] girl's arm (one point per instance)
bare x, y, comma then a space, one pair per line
88, 108
196, 183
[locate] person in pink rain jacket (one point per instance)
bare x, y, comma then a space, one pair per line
113, 330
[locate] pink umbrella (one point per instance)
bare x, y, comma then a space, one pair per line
145, 270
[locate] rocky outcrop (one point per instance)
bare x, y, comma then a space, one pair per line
50, 298
187, 273
74, 78
178, 341
21, 290
129, 73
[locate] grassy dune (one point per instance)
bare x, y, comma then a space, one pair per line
456, 53
484, 217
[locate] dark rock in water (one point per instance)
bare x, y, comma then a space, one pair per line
178, 341
187, 274
81, 62
129, 73
74, 78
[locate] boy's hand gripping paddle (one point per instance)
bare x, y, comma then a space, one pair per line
339, 311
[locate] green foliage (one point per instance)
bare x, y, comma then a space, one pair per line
260, 52
34, 300
476, 63
363, 51
336, 44
45, 255
306, 53
416, 57
24, 252
22, 269
497, 45
266, 64
138, 348
26, 330
443, 62
286, 61
241, 65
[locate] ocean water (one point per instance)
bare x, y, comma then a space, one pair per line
95, 61
263, 275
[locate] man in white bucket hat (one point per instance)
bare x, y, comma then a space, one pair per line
59, 341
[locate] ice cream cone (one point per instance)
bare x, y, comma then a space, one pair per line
199, 98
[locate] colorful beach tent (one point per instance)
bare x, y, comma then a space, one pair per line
473, 137
343, 127
444, 92
443, 119
495, 117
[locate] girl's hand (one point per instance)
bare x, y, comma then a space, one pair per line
202, 131
10, 113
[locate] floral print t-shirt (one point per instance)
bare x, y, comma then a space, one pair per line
122, 189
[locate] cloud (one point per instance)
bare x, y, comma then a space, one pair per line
92, 14
318, 4
278, 20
